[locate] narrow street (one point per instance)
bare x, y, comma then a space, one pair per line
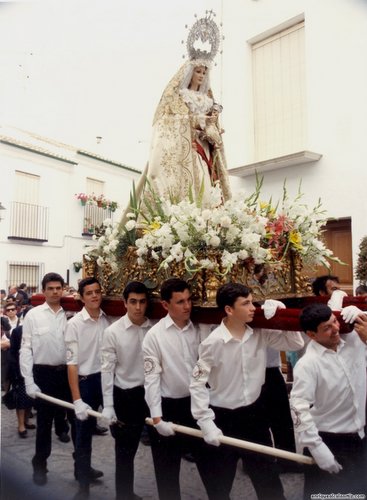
16, 471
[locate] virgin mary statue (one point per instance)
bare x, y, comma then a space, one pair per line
187, 155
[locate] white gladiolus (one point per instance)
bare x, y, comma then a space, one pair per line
243, 227
130, 224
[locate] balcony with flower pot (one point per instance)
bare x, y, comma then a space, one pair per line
96, 210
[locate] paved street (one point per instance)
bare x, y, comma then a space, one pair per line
17, 482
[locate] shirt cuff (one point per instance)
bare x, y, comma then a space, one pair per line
156, 411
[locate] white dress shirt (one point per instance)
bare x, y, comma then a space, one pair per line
233, 368
329, 390
42, 339
83, 338
170, 355
122, 355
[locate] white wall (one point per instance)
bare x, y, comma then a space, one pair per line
336, 41
59, 181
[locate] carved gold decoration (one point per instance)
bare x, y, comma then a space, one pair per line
271, 280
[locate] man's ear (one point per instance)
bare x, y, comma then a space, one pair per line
164, 304
311, 334
228, 310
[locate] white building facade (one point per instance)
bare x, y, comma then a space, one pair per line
45, 227
295, 108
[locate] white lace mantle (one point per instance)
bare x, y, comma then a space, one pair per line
198, 103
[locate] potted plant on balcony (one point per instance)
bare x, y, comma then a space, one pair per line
83, 198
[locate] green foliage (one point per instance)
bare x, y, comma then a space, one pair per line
361, 269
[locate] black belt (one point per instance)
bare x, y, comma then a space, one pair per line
51, 367
86, 377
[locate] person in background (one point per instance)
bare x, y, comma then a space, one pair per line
12, 293
42, 363
22, 295
329, 286
83, 338
361, 291
2, 298
328, 401
123, 384
23, 402
5, 345
11, 312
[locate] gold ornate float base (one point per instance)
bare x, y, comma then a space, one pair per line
282, 279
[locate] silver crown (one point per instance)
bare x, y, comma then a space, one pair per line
204, 38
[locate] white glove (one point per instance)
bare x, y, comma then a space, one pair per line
211, 433
31, 389
270, 306
325, 459
165, 428
108, 414
336, 300
350, 313
80, 409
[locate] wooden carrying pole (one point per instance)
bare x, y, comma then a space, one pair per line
246, 445
65, 404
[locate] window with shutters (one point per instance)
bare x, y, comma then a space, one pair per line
30, 273
28, 219
279, 94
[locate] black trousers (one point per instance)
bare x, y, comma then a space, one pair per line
277, 410
167, 451
91, 393
53, 381
131, 409
247, 423
351, 452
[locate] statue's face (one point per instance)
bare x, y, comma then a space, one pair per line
198, 77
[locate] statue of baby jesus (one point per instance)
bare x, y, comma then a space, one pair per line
212, 133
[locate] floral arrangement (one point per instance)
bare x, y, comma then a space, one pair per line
361, 269
240, 229
100, 201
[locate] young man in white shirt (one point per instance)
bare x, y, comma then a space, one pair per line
123, 384
83, 339
226, 386
170, 352
328, 402
43, 366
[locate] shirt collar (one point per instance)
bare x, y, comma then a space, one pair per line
128, 323
320, 349
45, 306
168, 322
227, 336
85, 314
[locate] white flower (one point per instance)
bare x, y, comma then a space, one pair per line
214, 241
225, 221
130, 224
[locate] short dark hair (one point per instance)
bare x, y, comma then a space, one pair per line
10, 304
22, 285
228, 294
319, 284
85, 282
173, 285
314, 314
3, 291
361, 289
135, 287
52, 277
